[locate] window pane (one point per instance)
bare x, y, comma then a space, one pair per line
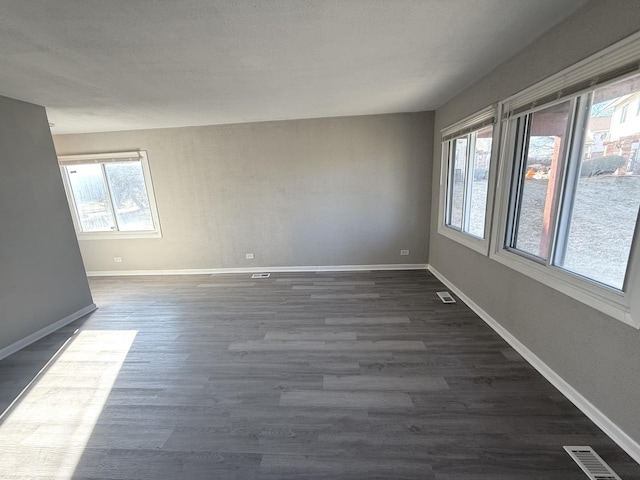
129, 195
534, 215
90, 197
457, 176
607, 196
478, 182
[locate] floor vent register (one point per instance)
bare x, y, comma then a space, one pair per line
261, 275
446, 297
591, 463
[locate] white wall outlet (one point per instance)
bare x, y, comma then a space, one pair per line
404, 252
117, 259
249, 256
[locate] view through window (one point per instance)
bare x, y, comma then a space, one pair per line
467, 185
575, 204
606, 197
110, 195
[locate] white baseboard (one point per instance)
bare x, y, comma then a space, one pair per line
43, 332
614, 432
216, 271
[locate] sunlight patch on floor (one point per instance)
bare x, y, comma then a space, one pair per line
45, 431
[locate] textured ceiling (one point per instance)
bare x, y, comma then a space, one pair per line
100, 65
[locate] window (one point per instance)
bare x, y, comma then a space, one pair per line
110, 195
603, 194
577, 210
570, 199
623, 113
466, 173
541, 138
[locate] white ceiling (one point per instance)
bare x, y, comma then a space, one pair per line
101, 65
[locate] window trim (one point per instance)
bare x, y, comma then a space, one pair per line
102, 158
483, 118
608, 66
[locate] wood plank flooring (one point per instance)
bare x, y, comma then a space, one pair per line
297, 376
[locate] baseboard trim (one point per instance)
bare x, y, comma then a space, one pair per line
43, 332
292, 269
612, 430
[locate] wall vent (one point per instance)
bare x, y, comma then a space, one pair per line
261, 275
591, 463
446, 297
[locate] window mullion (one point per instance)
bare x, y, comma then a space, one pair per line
109, 196
468, 182
571, 173
572, 153
449, 181
451, 187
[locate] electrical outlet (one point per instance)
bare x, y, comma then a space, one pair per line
117, 259
249, 256
404, 252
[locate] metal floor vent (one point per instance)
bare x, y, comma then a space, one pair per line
446, 297
261, 275
591, 463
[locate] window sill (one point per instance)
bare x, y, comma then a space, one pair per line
599, 297
474, 243
118, 235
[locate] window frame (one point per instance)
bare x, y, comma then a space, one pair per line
463, 129
623, 304
623, 114
517, 182
102, 159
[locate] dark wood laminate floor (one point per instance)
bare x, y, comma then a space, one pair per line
299, 376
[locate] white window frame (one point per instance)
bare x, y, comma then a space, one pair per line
102, 158
612, 64
458, 130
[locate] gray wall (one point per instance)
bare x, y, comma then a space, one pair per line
597, 355
334, 191
42, 279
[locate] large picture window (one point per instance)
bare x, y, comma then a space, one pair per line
466, 174
110, 195
574, 203
570, 191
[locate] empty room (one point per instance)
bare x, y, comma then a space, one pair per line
320, 239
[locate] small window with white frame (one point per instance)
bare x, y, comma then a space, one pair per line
570, 195
466, 180
111, 195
